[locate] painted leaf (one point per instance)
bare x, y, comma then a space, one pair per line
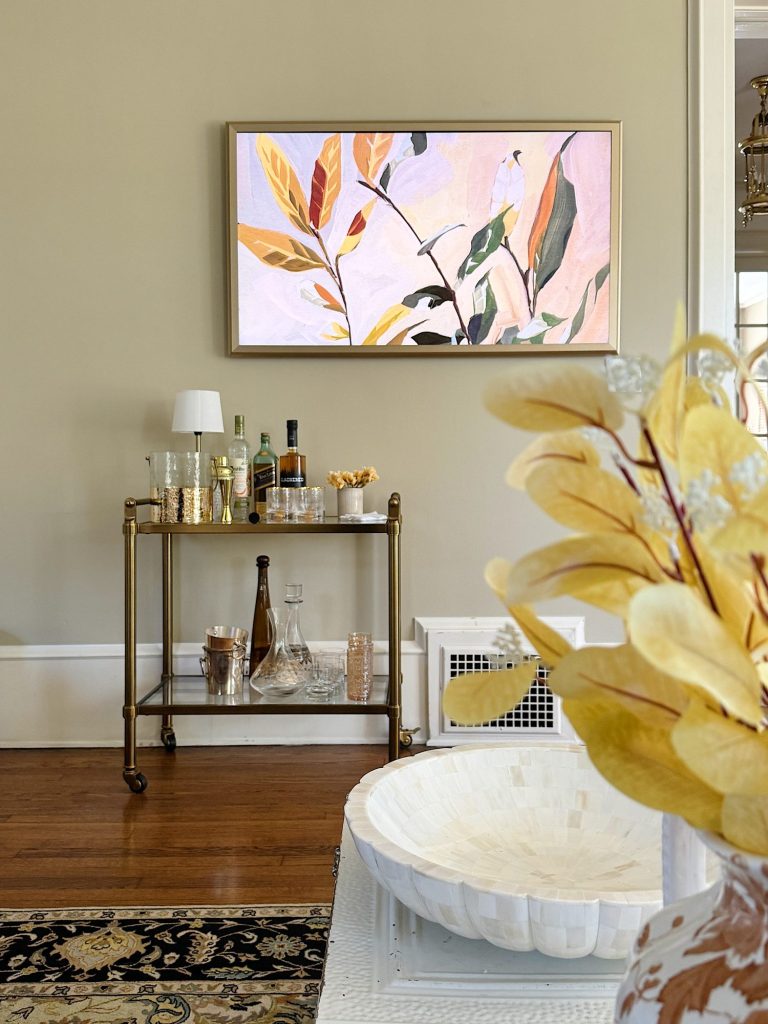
370, 150
399, 338
433, 294
587, 498
387, 320
640, 761
509, 336
485, 307
482, 696
284, 183
554, 398
326, 182
537, 328
745, 822
550, 645
578, 321
328, 299
601, 277
337, 333
601, 569
279, 250
554, 218
356, 228
553, 245
431, 338
508, 191
673, 630
484, 243
620, 674
566, 448
725, 755
419, 142
428, 245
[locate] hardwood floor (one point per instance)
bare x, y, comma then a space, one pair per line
216, 825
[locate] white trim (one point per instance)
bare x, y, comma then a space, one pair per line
711, 142
71, 695
752, 21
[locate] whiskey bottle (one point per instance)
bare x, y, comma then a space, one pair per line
261, 634
240, 461
293, 467
265, 471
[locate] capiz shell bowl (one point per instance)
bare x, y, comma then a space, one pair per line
525, 846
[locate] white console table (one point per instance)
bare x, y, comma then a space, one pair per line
387, 966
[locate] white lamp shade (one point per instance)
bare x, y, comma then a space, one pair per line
198, 412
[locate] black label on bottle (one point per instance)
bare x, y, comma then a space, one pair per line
292, 480
263, 476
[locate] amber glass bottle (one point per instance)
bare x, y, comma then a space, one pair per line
261, 634
293, 467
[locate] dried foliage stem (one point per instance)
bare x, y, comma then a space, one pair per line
383, 195
685, 531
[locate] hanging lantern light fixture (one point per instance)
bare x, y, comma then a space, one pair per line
755, 150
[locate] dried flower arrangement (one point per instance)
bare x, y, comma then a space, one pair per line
340, 478
672, 537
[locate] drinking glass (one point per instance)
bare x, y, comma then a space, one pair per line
359, 666
312, 505
327, 674
276, 504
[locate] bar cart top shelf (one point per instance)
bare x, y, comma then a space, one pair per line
328, 525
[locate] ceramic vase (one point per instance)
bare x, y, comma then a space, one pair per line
704, 959
350, 501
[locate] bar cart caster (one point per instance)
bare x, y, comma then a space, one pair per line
168, 738
406, 737
135, 781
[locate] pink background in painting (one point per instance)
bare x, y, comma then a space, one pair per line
450, 183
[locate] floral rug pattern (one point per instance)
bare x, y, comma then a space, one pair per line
198, 965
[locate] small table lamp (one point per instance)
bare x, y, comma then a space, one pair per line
198, 412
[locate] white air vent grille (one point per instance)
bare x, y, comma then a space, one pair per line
460, 646
537, 710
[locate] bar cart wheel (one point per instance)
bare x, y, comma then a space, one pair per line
406, 737
136, 782
168, 737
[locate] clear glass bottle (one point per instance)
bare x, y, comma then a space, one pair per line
265, 474
359, 666
280, 673
294, 636
261, 633
293, 466
240, 461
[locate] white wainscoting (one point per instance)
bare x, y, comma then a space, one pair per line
72, 696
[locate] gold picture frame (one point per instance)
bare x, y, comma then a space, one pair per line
423, 238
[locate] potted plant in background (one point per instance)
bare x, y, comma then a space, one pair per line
672, 537
349, 486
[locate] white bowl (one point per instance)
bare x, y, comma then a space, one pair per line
525, 846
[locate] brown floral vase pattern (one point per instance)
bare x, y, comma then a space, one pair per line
704, 960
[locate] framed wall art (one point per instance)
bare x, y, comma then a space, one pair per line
423, 239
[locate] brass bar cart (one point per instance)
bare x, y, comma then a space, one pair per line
188, 695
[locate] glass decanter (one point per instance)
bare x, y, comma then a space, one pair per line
281, 672
294, 638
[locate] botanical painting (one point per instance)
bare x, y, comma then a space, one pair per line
424, 241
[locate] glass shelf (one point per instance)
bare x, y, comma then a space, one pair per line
189, 695
329, 525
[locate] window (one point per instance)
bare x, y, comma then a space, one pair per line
752, 331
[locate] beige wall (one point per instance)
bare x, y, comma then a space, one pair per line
112, 282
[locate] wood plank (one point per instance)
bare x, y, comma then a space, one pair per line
216, 825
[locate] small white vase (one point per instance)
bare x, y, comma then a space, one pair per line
704, 959
350, 501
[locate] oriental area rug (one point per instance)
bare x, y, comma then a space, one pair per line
140, 965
